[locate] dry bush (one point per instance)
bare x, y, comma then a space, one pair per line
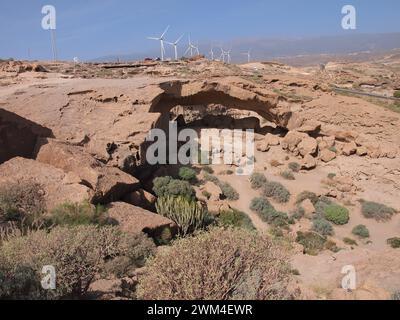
257, 180
276, 191
377, 211
78, 255
22, 203
222, 264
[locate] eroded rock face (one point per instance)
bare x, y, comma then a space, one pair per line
59, 186
107, 183
134, 219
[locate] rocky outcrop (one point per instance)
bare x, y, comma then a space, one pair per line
59, 187
108, 183
134, 219
18, 136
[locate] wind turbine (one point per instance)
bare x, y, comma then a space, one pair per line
175, 45
228, 54
161, 39
222, 56
248, 54
191, 48
212, 53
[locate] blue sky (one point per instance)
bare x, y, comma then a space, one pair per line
95, 28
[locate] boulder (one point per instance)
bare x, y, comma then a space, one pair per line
108, 183
327, 155
212, 189
141, 198
59, 187
309, 162
134, 219
272, 140
292, 139
362, 151
263, 146
326, 142
307, 146
349, 148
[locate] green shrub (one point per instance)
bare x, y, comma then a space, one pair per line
187, 214
336, 214
276, 191
331, 175
294, 166
394, 242
166, 186
261, 204
267, 212
377, 211
187, 174
208, 169
23, 204
331, 246
235, 218
73, 214
223, 264
361, 231
307, 195
350, 242
211, 178
288, 175
312, 242
228, 191
298, 213
396, 94
78, 254
257, 180
322, 227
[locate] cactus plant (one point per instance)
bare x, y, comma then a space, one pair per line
188, 215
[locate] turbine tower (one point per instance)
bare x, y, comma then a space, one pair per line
191, 48
222, 56
175, 45
248, 54
212, 53
161, 39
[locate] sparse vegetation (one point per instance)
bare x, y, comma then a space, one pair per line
206, 194
167, 186
235, 218
208, 169
187, 214
322, 227
294, 166
336, 214
331, 175
396, 94
288, 175
307, 195
187, 174
268, 213
361, 231
312, 242
350, 242
394, 242
276, 191
227, 190
257, 180
223, 264
377, 211
73, 214
298, 213
22, 204
77, 253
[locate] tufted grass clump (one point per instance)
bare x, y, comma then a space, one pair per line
377, 211
276, 191
394, 242
322, 227
294, 166
312, 242
307, 195
257, 180
361, 231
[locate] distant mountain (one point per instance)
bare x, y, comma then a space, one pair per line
265, 49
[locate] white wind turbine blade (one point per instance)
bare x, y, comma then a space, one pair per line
180, 38
162, 36
187, 51
153, 38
